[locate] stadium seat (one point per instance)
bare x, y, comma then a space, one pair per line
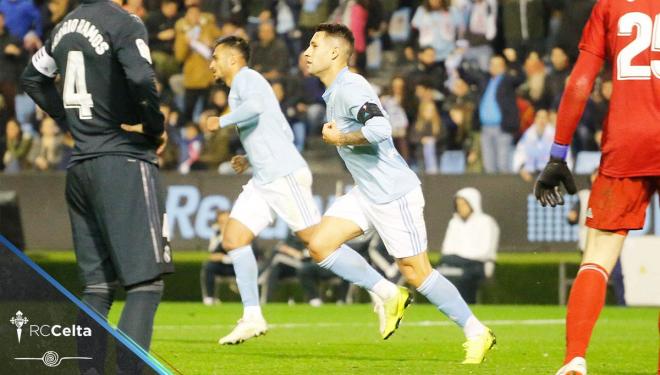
452, 162
586, 162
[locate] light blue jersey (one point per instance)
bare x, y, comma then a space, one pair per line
378, 170
263, 129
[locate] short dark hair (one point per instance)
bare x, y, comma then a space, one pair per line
236, 42
337, 30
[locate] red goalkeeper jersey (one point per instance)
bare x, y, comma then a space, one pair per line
627, 33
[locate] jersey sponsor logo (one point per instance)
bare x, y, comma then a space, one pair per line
87, 30
143, 49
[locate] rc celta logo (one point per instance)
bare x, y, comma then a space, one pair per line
19, 320
46, 330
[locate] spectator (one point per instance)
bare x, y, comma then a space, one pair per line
498, 113
533, 90
190, 148
313, 12
436, 26
524, 23
293, 117
393, 103
426, 133
285, 18
428, 69
18, 147
54, 12
47, 151
218, 262
575, 14
216, 143
226, 11
135, 7
589, 133
161, 27
480, 30
23, 20
461, 107
533, 149
195, 34
258, 12
12, 61
470, 245
270, 55
555, 81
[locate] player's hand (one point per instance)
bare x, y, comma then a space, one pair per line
547, 189
213, 123
139, 128
331, 133
240, 163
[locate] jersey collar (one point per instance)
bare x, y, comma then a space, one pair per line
337, 81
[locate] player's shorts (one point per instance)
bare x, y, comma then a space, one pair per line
289, 197
619, 204
116, 208
399, 223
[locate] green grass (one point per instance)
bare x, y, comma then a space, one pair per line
345, 340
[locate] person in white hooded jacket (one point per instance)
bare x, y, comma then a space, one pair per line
470, 245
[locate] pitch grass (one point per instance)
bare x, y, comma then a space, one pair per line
345, 340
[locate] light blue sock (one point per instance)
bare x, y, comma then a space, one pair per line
349, 265
442, 293
245, 268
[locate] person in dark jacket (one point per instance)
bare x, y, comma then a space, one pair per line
12, 61
498, 113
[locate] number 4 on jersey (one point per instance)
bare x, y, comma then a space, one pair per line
75, 86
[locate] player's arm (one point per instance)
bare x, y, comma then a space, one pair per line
572, 105
376, 128
134, 56
251, 107
38, 81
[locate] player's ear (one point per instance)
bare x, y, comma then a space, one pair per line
334, 53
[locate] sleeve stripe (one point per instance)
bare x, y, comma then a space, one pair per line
44, 63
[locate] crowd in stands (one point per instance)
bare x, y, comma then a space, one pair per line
478, 82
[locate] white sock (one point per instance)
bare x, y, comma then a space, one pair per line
385, 289
473, 328
252, 312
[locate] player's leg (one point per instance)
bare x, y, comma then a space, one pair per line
402, 228
343, 221
615, 205
94, 265
129, 204
249, 216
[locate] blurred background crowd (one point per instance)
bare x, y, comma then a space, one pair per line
470, 86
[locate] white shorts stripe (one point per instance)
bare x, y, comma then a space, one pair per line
406, 210
406, 222
295, 191
150, 217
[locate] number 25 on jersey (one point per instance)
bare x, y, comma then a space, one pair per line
75, 93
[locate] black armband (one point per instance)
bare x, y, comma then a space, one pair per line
368, 111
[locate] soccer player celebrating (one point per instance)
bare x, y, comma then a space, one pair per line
387, 198
624, 32
281, 185
113, 190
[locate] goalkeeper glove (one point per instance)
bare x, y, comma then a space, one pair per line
555, 173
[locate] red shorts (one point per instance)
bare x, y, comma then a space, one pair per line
619, 204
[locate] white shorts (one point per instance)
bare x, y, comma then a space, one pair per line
399, 223
289, 197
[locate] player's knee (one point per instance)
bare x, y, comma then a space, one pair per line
319, 249
230, 243
151, 286
101, 288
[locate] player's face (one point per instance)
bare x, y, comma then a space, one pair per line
219, 63
319, 53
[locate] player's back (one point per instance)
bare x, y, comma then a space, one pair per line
627, 33
96, 91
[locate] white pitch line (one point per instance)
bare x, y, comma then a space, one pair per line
423, 323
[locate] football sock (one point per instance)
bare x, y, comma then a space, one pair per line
348, 264
137, 317
584, 305
99, 297
245, 268
444, 295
